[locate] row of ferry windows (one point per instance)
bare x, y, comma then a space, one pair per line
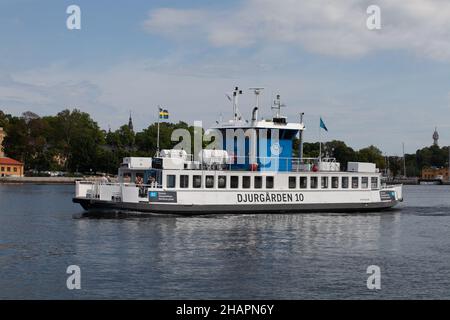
294, 182
221, 182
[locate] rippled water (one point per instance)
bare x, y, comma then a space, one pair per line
313, 256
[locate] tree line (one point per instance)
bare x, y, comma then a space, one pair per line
432, 156
72, 141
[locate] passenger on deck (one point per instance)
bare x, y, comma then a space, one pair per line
151, 182
139, 181
104, 179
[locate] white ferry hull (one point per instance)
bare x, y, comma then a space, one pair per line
92, 204
206, 202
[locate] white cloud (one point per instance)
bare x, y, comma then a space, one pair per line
176, 23
320, 26
109, 94
48, 91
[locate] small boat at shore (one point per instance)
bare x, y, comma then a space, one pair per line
251, 170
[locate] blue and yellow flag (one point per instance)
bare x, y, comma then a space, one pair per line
163, 114
322, 124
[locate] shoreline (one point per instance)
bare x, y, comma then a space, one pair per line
72, 180
43, 180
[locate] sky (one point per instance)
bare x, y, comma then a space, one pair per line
381, 87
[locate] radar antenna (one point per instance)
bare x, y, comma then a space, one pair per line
257, 92
278, 105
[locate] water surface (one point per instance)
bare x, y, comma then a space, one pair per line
289, 256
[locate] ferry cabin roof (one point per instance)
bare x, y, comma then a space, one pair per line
268, 134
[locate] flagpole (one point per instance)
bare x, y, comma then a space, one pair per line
157, 140
320, 143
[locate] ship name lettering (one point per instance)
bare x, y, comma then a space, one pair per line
269, 197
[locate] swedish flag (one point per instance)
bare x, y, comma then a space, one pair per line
163, 114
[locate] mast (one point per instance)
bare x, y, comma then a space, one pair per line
404, 160
300, 148
254, 134
157, 139
257, 92
236, 94
277, 106
320, 146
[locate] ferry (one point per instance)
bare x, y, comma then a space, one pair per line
254, 171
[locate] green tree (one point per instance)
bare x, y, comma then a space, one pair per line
146, 141
396, 166
78, 139
340, 151
4, 119
371, 154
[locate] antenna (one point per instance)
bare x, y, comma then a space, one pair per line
236, 94
278, 105
257, 92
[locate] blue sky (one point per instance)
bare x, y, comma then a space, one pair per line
380, 87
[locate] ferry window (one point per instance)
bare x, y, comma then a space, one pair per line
15, 169
303, 182
159, 178
245, 182
184, 181
364, 182
314, 182
269, 182
335, 182
209, 183
171, 181
8, 169
258, 182
3, 168
234, 182
324, 182
374, 182
355, 182
222, 182
292, 182
197, 181
344, 183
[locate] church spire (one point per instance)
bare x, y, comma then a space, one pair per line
130, 123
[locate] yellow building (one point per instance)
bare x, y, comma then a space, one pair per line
8, 166
435, 173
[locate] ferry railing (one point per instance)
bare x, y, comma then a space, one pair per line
269, 163
94, 189
129, 184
